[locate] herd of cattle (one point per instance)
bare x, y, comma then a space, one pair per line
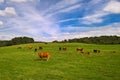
46, 55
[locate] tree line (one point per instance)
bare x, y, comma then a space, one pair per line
96, 40
16, 41
89, 40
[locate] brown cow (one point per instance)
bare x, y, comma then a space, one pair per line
87, 53
19, 47
30, 47
113, 51
79, 49
64, 48
44, 55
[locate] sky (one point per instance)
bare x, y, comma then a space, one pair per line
49, 20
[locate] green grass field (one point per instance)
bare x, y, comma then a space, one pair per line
24, 64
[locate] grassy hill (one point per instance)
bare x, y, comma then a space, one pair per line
24, 63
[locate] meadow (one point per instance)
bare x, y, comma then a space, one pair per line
25, 64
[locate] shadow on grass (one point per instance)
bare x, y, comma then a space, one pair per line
40, 59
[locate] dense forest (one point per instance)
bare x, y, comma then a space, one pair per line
96, 40
16, 40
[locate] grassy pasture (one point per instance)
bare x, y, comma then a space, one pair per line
24, 64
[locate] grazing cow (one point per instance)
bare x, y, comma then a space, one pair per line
87, 53
60, 48
45, 55
79, 49
113, 51
35, 50
96, 51
46, 43
19, 47
40, 48
30, 47
64, 48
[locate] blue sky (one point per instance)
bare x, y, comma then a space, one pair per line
49, 20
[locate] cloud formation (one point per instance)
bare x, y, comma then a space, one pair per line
58, 19
1, 1
9, 11
19, 1
1, 23
31, 22
113, 7
109, 30
95, 18
62, 6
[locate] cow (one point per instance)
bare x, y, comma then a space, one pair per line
64, 48
113, 51
86, 53
60, 48
46, 43
30, 47
35, 50
43, 55
40, 48
19, 47
79, 49
96, 51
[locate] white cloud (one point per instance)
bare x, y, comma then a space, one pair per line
95, 18
65, 20
32, 23
1, 23
8, 36
19, 1
62, 6
1, 1
8, 11
113, 7
65, 10
113, 29
70, 8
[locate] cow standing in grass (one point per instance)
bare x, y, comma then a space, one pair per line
40, 48
30, 47
64, 48
19, 47
113, 51
96, 51
60, 48
87, 53
44, 55
80, 49
35, 50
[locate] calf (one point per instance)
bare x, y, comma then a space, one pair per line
45, 55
